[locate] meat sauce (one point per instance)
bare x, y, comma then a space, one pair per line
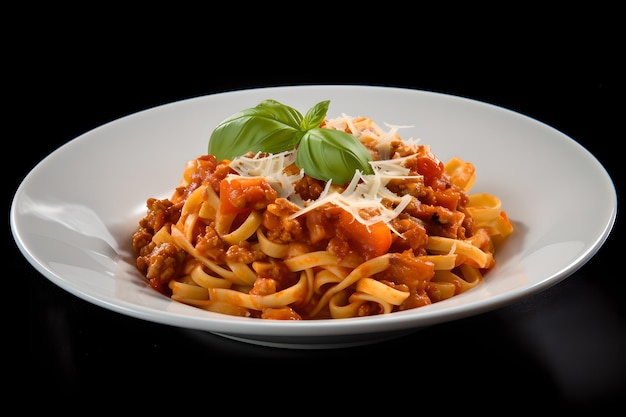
437, 209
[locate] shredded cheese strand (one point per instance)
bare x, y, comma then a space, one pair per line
362, 197
272, 168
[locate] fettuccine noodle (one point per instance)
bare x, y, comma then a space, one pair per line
257, 237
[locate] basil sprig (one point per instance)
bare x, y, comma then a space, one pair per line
272, 127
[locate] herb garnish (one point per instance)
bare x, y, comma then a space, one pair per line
272, 127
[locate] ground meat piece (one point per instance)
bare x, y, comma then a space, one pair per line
309, 188
278, 227
210, 245
141, 239
412, 232
415, 274
239, 194
162, 264
264, 286
438, 220
277, 271
243, 253
160, 213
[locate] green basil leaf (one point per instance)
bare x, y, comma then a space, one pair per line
315, 116
328, 154
272, 127
269, 127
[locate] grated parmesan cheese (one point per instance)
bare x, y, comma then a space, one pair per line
272, 168
362, 197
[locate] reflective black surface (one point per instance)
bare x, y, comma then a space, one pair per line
564, 346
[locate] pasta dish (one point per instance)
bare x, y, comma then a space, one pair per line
256, 235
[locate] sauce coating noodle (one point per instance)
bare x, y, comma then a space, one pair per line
257, 237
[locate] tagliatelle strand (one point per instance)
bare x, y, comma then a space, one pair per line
260, 238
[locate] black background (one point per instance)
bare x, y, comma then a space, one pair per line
565, 346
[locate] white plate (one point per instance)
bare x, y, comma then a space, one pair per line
74, 214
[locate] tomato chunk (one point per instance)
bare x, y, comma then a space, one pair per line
373, 240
